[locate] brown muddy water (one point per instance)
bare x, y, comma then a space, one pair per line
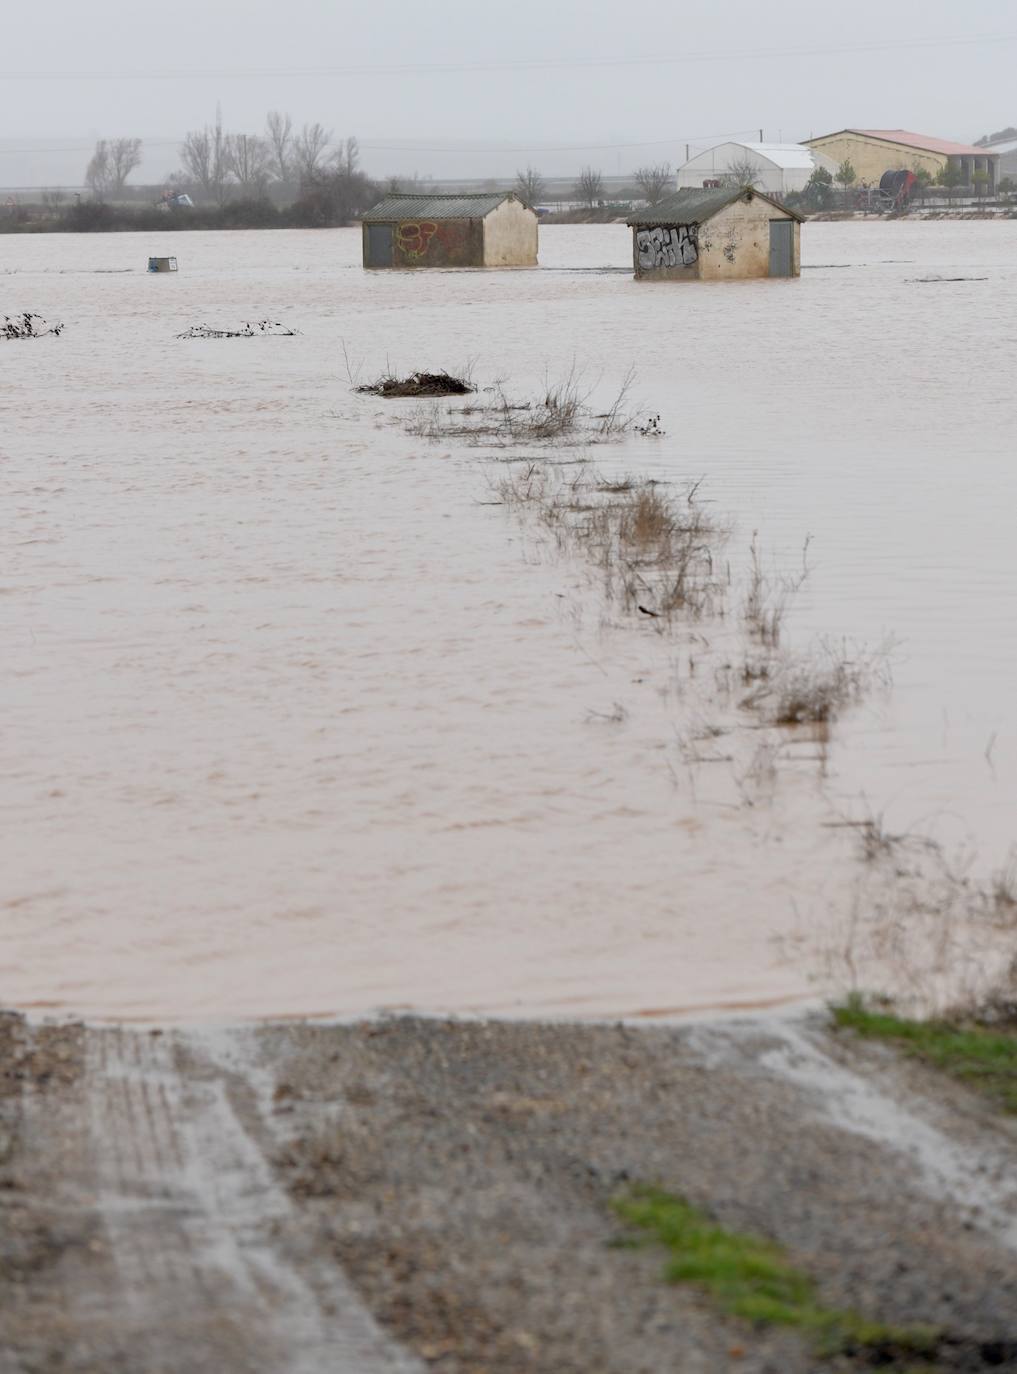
297, 721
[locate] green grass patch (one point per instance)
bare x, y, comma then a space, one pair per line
754, 1279
984, 1057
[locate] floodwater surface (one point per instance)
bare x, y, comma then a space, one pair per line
298, 720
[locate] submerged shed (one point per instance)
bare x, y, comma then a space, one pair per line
716, 235
491, 229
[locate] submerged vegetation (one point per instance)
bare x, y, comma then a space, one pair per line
243, 331
560, 416
27, 326
982, 1056
754, 1279
418, 384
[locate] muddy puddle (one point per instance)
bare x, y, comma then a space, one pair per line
299, 720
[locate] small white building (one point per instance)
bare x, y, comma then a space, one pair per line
776, 168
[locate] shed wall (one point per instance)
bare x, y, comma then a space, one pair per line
431, 243
666, 254
510, 236
735, 244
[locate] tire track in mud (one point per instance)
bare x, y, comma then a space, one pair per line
200, 1261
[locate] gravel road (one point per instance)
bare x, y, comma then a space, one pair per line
407, 1195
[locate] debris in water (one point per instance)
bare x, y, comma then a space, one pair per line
246, 331
27, 326
652, 429
419, 384
926, 279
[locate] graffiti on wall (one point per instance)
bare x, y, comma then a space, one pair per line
668, 247
414, 236
447, 241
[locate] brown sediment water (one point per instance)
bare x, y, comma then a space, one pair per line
295, 722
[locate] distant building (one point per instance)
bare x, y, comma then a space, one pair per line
1005, 151
872, 152
776, 168
488, 229
716, 235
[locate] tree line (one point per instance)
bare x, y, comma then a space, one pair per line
653, 183
307, 166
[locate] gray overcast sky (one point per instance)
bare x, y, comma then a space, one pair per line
786, 66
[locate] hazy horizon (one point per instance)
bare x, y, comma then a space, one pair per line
436, 93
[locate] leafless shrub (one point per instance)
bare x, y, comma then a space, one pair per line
27, 326
768, 596
922, 934
560, 416
816, 687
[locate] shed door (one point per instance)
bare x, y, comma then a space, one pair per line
379, 245
782, 246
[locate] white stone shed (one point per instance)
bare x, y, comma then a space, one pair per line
777, 168
716, 235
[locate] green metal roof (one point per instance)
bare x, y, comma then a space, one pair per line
694, 206
468, 206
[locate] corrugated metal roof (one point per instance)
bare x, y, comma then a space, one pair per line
906, 139
693, 206
459, 206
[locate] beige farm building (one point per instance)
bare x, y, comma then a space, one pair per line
716, 235
491, 229
873, 152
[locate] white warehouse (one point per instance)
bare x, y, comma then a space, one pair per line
776, 168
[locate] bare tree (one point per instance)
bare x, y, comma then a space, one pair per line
590, 187
529, 186
654, 182
124, 157
279, 130
309, 148
97, 173
204, 154
741, 172
248, 158
346, 158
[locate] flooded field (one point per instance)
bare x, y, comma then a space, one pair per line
297, 719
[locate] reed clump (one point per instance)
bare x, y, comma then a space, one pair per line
813, 688
655, 547
560, 416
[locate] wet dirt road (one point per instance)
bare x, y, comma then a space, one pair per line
407, 1195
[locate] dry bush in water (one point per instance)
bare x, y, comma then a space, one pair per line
814, 688
656, 548
768, 595
418, 384
560, 416
27, 326
922, 935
